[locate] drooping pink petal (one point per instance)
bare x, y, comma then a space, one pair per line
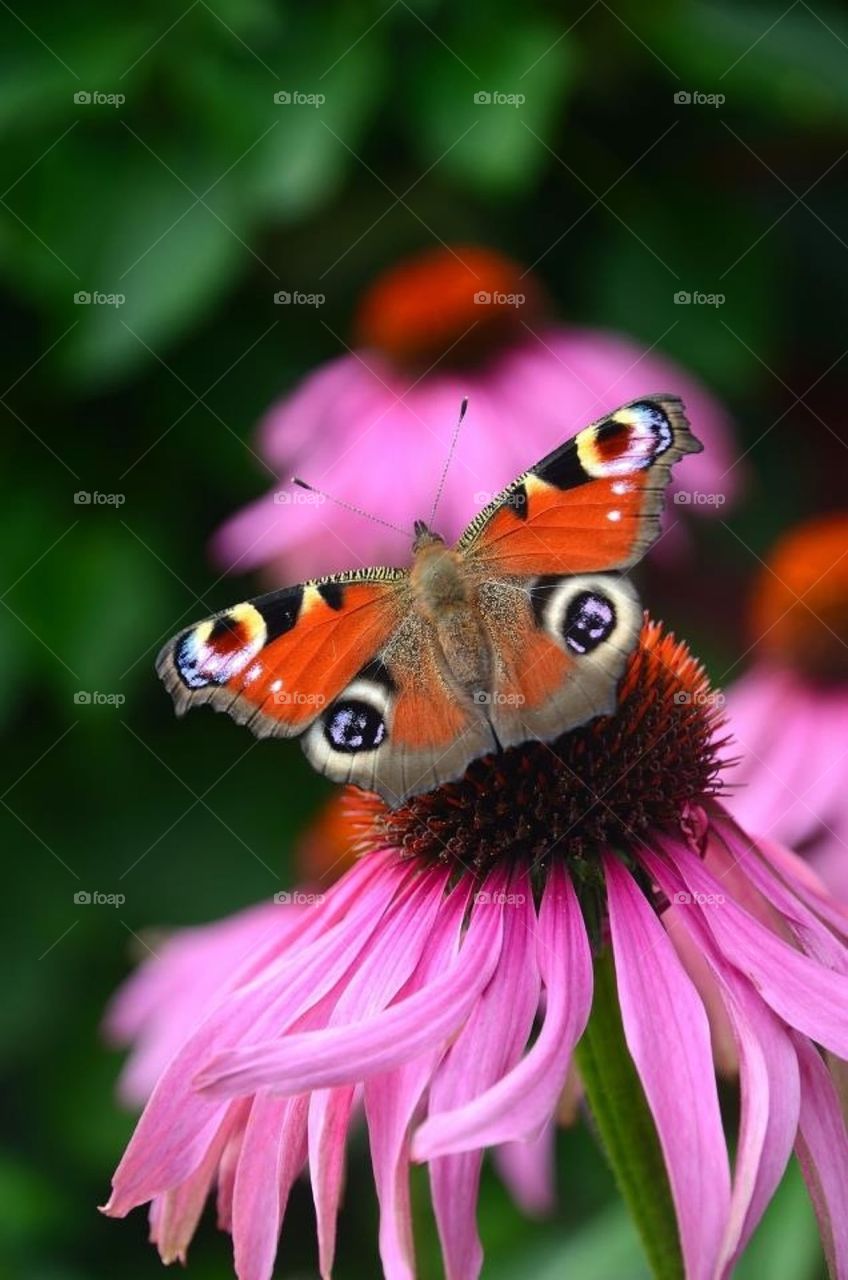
805, 904
519, 1105
178, 1123
527, 1170
383, 968
176, 1213
769, 1085
822, 1150
273, 1152
391, 1101
668, 1037
489, 1045
343, 1055
172, 991
802, 991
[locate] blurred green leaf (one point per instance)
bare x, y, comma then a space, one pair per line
483, 113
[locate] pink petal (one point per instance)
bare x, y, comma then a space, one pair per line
668, 1037
770, 1091
176, 1213
527, 1169
178, 1123
382, 970
792, 888
803, 992
343, 1055
489, 1045
391, 1101
519, 1105
823, 1154
273, 1152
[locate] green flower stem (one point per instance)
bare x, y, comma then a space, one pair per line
626, 1127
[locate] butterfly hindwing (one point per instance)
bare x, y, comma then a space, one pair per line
593, 504
561, 654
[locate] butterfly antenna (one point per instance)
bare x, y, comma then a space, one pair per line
448, 459
348, 506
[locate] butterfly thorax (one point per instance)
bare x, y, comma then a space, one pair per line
445, 596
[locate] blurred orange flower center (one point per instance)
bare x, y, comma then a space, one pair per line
455, 303
799, 613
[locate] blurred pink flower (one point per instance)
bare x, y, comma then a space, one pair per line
415, 986
373, 427
789, 713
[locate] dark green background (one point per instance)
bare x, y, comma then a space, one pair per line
745, 199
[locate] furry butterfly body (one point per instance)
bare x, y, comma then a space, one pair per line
396, 679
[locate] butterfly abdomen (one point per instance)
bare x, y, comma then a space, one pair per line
446, 598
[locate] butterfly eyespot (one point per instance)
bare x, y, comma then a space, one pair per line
589, 620
631, 440
354, 725
220, 648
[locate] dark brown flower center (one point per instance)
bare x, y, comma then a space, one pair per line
601, 785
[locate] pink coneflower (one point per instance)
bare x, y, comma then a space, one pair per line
446, 979
373, 426
789, 713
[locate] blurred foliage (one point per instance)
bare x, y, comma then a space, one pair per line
199, 197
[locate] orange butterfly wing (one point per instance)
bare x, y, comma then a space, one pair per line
275, 662
593, 504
